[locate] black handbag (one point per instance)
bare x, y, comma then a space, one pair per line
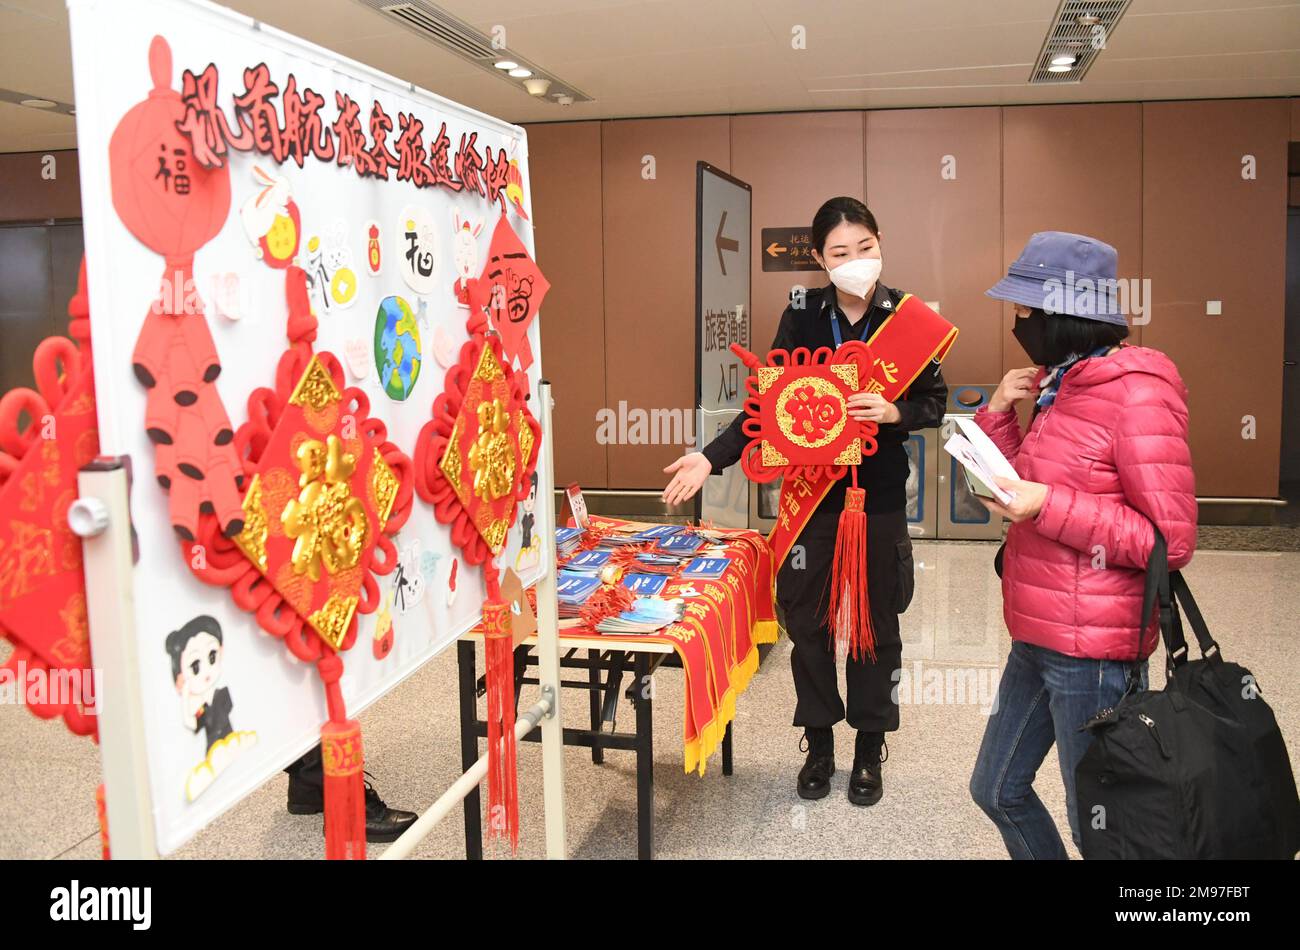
1196, 770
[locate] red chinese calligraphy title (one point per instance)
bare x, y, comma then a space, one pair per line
296, 130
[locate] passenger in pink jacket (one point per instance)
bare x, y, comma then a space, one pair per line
1105, 459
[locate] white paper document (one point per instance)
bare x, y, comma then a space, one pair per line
981, 460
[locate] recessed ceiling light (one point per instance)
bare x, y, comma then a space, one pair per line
38, 103
519, 72
1066, 59
505, 64
1087, 19
1059, 69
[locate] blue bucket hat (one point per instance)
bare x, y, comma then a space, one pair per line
1060, 272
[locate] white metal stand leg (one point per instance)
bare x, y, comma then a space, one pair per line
548, 645
101, 516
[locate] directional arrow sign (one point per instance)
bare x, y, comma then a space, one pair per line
787, 249
723, 243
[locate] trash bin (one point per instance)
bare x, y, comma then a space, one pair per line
923, 483
961, 515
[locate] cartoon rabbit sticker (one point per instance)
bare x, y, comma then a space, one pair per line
466, 257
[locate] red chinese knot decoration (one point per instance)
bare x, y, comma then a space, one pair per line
798, 418
474, 462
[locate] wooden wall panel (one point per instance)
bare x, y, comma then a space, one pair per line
1209, 234
26, 194
1071, 168
650, 274
941, 235
794, 162
564, 175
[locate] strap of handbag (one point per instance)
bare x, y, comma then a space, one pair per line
1167, 591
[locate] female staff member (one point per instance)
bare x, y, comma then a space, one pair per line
1105, 458
846, 242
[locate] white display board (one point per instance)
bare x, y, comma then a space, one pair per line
271, 694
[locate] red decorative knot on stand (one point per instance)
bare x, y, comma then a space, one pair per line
800, 430
473, 462
42, 588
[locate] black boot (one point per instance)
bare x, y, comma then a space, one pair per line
307, 797
815, 776
866, 784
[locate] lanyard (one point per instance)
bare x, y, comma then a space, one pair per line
835, 326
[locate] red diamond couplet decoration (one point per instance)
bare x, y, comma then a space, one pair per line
512, 288
319, 501
477, 456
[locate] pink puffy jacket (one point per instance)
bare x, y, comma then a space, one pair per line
1113, 451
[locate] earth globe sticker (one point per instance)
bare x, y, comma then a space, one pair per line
397, 347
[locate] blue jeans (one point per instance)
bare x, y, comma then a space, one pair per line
1043, 698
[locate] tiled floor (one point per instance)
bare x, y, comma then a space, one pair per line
47, 778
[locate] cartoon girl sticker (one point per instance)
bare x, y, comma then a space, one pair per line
196, 653
530, 550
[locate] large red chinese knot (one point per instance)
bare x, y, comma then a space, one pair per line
475, 458
474, 463
798, 416
319, 501
326, 492
174, 206
42, 589
799, 427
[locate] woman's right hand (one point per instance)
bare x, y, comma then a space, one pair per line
1015, 386
689, 473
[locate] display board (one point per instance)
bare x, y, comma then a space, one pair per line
722, 309
393, 200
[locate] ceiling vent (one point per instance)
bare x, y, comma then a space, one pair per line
458, 37
1080, 30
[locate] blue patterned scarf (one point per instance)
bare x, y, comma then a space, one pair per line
1052, 381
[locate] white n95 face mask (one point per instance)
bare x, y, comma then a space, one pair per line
858, 276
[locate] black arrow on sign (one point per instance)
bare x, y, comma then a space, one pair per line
724, 243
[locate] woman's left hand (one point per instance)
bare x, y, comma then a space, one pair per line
872, 407
1027, 500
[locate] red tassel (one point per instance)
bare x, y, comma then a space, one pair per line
101, 803
345, 790
503, 790
849, 616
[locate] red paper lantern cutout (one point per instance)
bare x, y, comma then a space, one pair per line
174, 206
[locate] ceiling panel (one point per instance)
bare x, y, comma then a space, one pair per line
676, 57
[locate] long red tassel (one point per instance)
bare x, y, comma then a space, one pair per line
503, 790
849, 616
101, 803
344, 762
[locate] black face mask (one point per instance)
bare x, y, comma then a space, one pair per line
1031, 333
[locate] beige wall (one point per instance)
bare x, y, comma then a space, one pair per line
1209, 233
28, 192
1160, 181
